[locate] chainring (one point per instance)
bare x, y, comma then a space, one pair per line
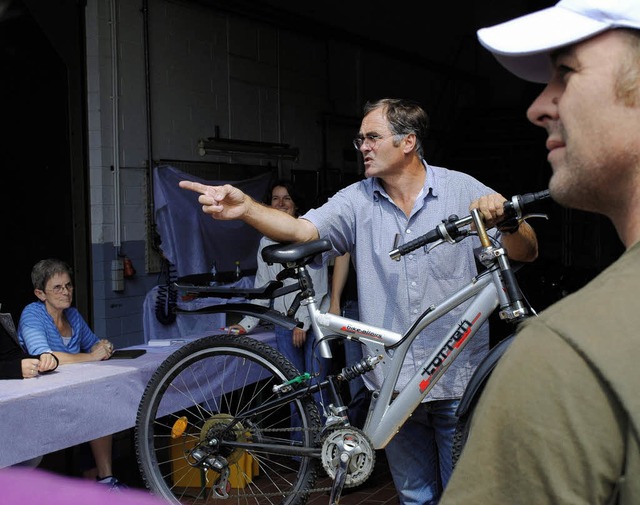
363, 458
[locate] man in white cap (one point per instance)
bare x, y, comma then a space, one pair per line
559, 420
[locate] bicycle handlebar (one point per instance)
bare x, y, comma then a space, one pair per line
452, 228
515, 207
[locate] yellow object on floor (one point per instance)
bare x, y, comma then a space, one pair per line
241, 472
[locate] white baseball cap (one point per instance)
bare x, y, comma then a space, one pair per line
523, 45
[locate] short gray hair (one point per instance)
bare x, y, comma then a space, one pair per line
43, 270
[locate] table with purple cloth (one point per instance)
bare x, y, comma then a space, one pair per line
78, 402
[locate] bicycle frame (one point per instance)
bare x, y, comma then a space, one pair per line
389, 411
496, 286
222, 428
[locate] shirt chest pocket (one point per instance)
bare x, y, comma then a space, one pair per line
445, 262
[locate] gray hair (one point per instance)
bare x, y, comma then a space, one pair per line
404, 117
44, 270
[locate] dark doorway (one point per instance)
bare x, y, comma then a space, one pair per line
39, 199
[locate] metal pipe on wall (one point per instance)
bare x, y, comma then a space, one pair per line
115, 113
147, 88
117, 265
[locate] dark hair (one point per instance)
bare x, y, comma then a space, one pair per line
296, 196
43, 270
404, 117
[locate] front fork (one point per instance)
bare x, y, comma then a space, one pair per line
512, 306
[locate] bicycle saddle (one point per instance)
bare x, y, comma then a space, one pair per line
301, 252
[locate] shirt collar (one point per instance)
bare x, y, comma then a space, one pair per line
430, 184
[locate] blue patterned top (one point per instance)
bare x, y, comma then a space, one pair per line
38, 333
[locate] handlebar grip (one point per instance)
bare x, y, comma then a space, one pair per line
528, 198
515, 206
425, 239
448, 230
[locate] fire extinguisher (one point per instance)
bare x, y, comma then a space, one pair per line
129, 271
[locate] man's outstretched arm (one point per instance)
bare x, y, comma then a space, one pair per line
228, 202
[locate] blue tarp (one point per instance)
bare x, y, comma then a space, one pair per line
192, 240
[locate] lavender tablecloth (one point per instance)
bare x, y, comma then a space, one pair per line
77, 402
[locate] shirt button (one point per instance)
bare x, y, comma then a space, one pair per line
415, 311
408, 230
413, 283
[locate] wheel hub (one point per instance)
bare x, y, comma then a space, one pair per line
217, 427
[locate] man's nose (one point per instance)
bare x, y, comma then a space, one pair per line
544, 107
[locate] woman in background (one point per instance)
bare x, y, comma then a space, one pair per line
52, 325
297, 344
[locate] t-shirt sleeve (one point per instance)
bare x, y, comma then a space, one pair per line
32, 331
262, 277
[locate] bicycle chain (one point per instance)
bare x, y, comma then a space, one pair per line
289, 429
287, 493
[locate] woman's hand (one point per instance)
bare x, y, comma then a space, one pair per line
102, 350
299, 337
30, 367
236, 329
334, 308
47, 362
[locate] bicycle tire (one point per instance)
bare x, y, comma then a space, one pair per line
460, 435
183, 387
472, 395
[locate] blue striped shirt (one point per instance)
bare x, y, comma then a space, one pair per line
363, 220
37, 331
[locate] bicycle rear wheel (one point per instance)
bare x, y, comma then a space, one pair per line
206, 397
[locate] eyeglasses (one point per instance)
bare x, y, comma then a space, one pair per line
369, 140
59, 288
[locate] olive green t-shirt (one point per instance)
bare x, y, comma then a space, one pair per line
559, 419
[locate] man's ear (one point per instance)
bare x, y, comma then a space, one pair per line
409, 142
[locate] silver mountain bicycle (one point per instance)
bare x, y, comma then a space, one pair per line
228, 419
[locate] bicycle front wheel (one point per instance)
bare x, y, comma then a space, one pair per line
210, 428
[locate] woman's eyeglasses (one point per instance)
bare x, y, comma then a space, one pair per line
59, 288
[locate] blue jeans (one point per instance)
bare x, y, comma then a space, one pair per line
304, 359
419, 455
359, 405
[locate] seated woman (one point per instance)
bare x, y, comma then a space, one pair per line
52, 325
298, 345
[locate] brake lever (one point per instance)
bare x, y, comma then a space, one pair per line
531, 216
463, 234
435, 244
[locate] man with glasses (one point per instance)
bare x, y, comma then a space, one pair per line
401, 197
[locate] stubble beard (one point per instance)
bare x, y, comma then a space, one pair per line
579, 182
